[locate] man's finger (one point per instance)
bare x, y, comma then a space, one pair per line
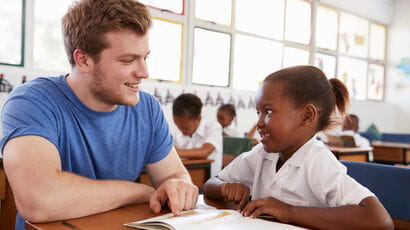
154, 204
188, 199
173, 199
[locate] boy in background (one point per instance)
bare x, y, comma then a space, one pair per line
198, 138
351, 128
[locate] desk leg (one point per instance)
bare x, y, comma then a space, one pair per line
406, 156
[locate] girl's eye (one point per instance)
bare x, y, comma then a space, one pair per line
269, 111
258, 113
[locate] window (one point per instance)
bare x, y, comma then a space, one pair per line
375, 82
353, 35
165, 59
11, 39
353, 72
206, 10
262, 17
254, 59
327, 63
176, 6
47, 30
294, 56
326, 28
211, 58
298, 21
377, 41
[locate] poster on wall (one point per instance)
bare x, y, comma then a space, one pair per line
404, 67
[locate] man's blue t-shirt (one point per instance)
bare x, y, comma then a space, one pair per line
97, 145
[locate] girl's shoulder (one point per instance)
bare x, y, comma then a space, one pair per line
319, 156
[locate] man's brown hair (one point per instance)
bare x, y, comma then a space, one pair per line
87, 21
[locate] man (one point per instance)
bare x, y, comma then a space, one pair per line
74, 144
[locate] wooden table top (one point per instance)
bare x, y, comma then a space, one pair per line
349, 149
115, 219
196, 161
391, 144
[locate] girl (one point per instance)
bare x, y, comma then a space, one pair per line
291, 175
226, 115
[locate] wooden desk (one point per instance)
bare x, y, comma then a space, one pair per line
8, 209
391, 152
351, 153
114, 219
199, 169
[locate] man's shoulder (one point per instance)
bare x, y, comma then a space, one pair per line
37, 87
147, 99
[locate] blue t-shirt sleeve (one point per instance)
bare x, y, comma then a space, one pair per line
28, 113
163, 141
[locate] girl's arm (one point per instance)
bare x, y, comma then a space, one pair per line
216, 189
368, 214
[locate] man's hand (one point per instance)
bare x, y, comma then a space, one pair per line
180, 194
236, 192
270, 206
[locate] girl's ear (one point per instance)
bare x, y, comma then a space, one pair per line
310, 114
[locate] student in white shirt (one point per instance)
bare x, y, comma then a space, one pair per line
290, 175
198, 138
350, 127
226, 115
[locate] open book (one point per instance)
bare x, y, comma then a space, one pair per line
201, 219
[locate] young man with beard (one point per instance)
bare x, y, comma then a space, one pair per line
74, 144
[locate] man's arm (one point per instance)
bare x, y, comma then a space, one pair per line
197, 153
174, 185
43, 192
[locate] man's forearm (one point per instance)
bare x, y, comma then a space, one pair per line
66, 195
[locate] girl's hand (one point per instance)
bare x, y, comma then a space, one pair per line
270, 206
236, 192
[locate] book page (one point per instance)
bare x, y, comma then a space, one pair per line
199, 219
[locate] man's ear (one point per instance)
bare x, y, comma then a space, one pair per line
309, 115
83, 61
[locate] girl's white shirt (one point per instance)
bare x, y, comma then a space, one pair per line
311, 177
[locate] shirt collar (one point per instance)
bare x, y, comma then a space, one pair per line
301, 154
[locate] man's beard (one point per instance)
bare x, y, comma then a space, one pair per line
105, 94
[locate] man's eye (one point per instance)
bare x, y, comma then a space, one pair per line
127, 60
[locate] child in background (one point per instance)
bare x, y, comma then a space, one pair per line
291, 175
350, 127
225, 115
198, 138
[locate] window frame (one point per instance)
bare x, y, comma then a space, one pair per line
23, 36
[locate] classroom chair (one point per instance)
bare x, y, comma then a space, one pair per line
233, 146
390, 184
8, 209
